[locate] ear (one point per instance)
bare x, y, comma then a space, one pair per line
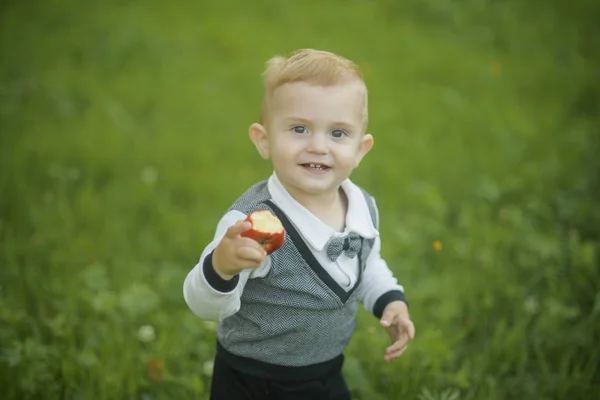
258, 135
366, 143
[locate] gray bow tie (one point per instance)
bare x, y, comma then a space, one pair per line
350, 244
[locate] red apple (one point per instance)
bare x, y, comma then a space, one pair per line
266, 229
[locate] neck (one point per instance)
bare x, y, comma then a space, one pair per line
328, 207
317, 204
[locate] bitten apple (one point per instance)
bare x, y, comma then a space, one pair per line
266, 229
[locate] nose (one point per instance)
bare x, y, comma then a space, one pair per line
318, 144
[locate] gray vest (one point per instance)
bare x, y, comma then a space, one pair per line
296, 315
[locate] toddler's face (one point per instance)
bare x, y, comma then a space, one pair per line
316, 135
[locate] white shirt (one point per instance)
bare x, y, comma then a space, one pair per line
377, 279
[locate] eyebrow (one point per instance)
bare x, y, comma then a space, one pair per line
341, 124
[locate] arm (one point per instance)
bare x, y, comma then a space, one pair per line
208, 291
384, 297
379, 287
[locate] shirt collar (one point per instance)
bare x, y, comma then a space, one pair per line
314, 231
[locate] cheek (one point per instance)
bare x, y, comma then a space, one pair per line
281, 153
347, 156
285, 147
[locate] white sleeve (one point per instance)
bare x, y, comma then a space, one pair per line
377, 280
378, 286
204, 299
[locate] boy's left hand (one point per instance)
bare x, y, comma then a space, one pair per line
397, 323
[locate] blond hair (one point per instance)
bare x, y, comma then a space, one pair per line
315, 67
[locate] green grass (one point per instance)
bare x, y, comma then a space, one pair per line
124, 138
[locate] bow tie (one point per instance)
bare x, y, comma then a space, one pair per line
350, 244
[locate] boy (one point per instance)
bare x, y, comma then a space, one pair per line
286, 318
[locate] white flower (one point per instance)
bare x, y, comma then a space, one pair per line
146, 333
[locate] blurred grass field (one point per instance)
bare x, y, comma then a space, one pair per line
124, 138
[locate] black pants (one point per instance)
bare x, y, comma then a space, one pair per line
230, 384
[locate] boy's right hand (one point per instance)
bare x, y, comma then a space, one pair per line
235, 253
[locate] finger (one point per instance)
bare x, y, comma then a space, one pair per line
404, 332
247, 264
407, 326
401, 341
251, 243
411, 330
251, 254
396, 354
387, 319
234, 230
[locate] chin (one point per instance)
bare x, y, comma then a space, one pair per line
319, 189
303, 185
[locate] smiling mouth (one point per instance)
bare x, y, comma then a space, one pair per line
316, 167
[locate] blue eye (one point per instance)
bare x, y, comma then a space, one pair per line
300, 129
338, 133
